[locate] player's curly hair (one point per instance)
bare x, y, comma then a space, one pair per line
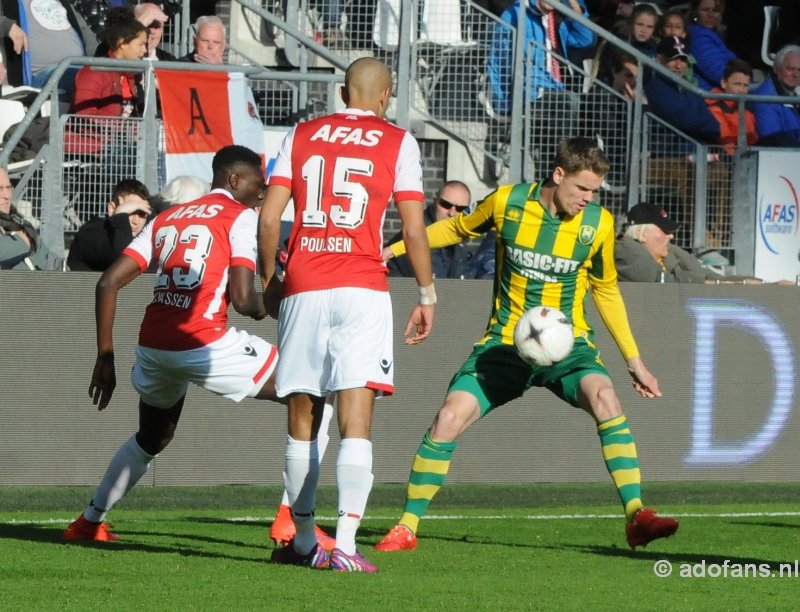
577, 154
227, 158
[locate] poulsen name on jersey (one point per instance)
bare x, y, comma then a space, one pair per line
340, 244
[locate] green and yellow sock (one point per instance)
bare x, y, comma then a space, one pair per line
427, 476
619, 452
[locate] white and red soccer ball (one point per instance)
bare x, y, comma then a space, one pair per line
543, 336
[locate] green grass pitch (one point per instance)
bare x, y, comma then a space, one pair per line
542, 547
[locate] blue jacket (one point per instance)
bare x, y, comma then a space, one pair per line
710, 53
447, 262
775, 123
681, 109
500, 64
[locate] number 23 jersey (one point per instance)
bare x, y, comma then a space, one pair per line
195, 245
343, 170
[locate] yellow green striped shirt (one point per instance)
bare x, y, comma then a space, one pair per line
543, 259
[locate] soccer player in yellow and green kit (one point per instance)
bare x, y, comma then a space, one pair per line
555, 243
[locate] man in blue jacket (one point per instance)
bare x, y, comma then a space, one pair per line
669, 162
673, 103
779, 124
541, 22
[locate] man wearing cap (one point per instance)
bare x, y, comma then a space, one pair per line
669, 163
645, 253
673, 103
101, 240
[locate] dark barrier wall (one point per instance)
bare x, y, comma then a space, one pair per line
725, 357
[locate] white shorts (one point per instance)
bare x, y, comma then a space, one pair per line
236, 366
335, 339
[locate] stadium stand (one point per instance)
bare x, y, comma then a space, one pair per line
444, 98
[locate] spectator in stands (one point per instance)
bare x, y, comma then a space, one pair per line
101, 240
671, 163
624, 72
153, 18
53, 34
179, 190
645, 253
638, 31
676, 105
20, 245
483, 264
673, 23
453, 198
779, 124
735, 80
606, 116
705, 42
108, 92
15, 41
545, 33
209, 41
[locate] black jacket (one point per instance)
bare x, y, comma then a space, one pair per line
99, 242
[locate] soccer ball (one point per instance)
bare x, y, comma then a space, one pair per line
543, 336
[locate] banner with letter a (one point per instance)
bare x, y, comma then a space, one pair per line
203, 112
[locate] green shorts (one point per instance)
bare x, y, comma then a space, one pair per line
495, 374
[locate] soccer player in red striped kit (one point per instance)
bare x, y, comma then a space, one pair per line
335, 320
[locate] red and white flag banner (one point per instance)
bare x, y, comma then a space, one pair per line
203, 112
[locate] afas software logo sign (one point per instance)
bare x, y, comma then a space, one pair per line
778, 222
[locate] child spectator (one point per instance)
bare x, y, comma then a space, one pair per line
638, 31
108, 92
673, 23
735, 80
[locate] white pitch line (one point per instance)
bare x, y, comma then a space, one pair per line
447, 517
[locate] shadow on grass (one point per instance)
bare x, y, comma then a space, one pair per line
766, 524
673, 557
37, 533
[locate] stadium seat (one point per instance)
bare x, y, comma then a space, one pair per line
11, 113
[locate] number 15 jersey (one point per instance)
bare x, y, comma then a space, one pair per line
343, 170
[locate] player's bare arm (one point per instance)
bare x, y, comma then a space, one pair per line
244, 298
418, 251
104, 378
269, 232
644, 382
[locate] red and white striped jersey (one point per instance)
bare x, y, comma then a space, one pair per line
343, 170
195, 245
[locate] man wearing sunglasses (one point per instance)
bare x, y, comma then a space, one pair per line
452, 199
